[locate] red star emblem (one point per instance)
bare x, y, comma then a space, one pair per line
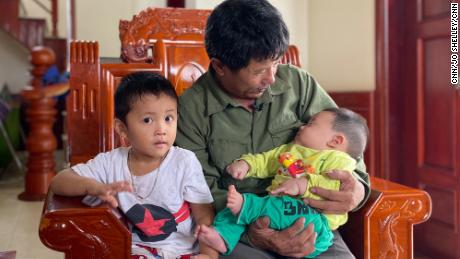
151, 226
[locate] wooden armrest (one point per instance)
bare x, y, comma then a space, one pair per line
383, 227
69, 226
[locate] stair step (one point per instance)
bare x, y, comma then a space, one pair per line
32, 31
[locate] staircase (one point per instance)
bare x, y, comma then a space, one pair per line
30, 32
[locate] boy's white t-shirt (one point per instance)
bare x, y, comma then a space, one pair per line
179, 178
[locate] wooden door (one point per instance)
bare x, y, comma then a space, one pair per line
430, 132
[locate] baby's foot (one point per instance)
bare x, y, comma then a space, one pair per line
234, 200
211, 237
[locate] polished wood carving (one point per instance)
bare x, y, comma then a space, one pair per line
157, 23
69, 226
394, 214
382, 228
83, 100
41, 142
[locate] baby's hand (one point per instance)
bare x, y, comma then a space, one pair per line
238, 169
291, 187
107, 192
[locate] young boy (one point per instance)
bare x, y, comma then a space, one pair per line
154, 183
318, 147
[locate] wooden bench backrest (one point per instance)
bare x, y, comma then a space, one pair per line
178, 54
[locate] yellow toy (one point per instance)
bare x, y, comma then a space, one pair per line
293, 167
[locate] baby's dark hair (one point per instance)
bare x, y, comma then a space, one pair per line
136, 85
354, 127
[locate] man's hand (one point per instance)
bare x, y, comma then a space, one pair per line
295, 241
238, 169
351, 193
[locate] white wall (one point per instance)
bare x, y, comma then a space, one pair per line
294, 15
87, 12
104, 28
31, 9
101, 23
336, 38
341, 44
14, 64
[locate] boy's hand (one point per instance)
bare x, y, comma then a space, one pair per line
238, 169
107, 192
291, 187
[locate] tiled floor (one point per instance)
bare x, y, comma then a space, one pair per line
19, 220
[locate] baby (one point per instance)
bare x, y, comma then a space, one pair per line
332, 139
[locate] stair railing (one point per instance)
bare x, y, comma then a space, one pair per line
52, 10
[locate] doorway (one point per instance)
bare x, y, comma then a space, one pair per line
419, 114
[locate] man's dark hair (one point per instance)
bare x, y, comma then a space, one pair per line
354, 127
240, 30
136, 85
